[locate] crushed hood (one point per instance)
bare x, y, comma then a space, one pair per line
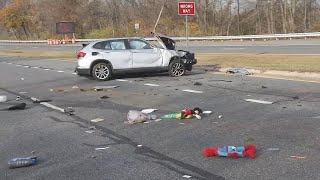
166, 42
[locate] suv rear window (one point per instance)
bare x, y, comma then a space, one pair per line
102, 45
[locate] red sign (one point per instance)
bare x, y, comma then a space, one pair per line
186, 8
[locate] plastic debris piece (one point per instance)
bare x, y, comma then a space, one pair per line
22, 162
139, 145
197, 84
152, 117
239, 71
103, 148
90, 131
134, 117
20, 106
298, 157
97, 120
157, 120
197, 116
186, 176
207, 112
147, 111
273, 149
75, 87
3, 98
220, 116
101, 88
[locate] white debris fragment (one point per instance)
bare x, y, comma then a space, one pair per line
186, 176
90, 131
75, 87
50, 90
147, 111
220, 116
139, 145
97, 120
103, 148
22, 79
22, 92
18, 98
146, 122
207, 112
157, 120
3, 98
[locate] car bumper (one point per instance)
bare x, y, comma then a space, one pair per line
82, 72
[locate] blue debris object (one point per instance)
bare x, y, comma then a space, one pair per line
22, 162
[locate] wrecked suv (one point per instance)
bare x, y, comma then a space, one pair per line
101, 59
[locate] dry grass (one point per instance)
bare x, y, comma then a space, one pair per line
299, 63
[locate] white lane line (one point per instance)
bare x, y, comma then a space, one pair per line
258, 101
18, 65
153, 85
35, 67
26, 66
52, 106
60, 71
46, 69
122, 80
192, 91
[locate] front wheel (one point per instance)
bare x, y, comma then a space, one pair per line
102, 71
177, 68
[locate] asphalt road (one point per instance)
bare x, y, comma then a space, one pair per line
256, 47
167, 149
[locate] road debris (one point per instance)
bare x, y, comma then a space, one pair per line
104, 97
36, 100
298, 157
148, 111
184, 114
90, 131
134, 117
22, 162
20, 106
146, 122
92, 128
231, 151
295, 97
239, 71
207, 112
263, 87
103, 148
139, 145
157, 120
101, 88
22, 79
18, 98
197, 84
97, 120
220, 116
186, 176
69, 111
75, 87
3, 98
50, 90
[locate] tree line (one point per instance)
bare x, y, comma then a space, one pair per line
36, 19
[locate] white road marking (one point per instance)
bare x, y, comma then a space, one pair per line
153, 85
122, 80
192, 91
26, 66
186, 176
139, 145
52, 106
35, 67
104, 148
18, 65
46, 69
60, 71
258, 101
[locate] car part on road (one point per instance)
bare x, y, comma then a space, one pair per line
104, 97
239, 71
295, 97
18, 98
231, 151
20, 106
69, 111
97, 120
102, 71
101, 88
22, 162
177, 68
148, 111
3, 98
197, 84
103, 148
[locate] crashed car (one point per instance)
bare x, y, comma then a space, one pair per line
101, 59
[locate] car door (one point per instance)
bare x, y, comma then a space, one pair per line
117, 52
144, 55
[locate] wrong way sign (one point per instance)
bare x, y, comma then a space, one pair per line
186, 8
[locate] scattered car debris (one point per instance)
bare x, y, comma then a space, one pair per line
184, 114
298, 157
134, 117
207, 112
18, 98
231, 151
295, 97
22, 79
90, 131
197, 84
97, 120
264, 87
69, 111
146, 122
152, 117
20, 106
75, 87
273, 149
101, 88
36, 100
139, 145
220, 116
299, 105
22, 92
157, 120
103, 148
148, 111
3, 98
22, 162
104, 97
186, 176
50, 90
239, 71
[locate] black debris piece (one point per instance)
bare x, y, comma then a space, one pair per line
104, 97
263, 87
20, 106
197, 84
295, 97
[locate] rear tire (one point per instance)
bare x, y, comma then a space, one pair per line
177, 68
102, 72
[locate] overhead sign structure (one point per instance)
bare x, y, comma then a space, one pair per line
186, 9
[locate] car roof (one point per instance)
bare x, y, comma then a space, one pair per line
112, 39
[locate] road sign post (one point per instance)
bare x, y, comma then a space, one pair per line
186, 8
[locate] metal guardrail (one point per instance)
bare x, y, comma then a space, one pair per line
204, 38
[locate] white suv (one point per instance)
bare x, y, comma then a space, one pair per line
101, 59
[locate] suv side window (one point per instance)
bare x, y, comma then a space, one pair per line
117, 45
102, 45
138, 44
